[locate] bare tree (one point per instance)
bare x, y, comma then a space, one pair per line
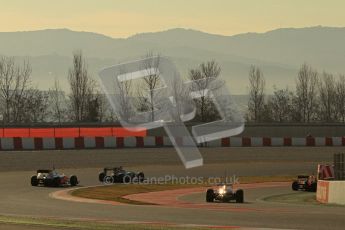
340, 98
327, 98
104, 107
125, 93
306, 93
205, 78
151, 82
14, 81
256, 94
35, 106
281, 105
57, 102
180, 96
83, 90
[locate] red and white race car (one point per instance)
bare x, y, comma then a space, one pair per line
51, 178
305, 183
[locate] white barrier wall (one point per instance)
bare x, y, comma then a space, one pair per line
28, 143
7, 143
130, 142
150, 141
89, 142
277, 141
109, 142
48, 143
331, 192
68, 143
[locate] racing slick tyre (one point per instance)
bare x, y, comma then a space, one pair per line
108, 180
34, 181
126, 179
73, 180
56, 182
47, 183
141, 177
310, 187
239, 196
294, 186
314, 187
210, 195
101, 176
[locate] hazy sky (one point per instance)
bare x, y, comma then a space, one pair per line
122, 18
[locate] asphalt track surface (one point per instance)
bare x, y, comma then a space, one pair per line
17, 197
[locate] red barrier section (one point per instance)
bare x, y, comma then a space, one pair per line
79, 142
246, 141
66, 132
226, 142
42, 132
130, 132
17, 132
329, 141
310, 141
17, 142
119, 142
73, 132
287, 141
343, 141
38, 143
179, 141
98, 132
159, 141
140, 142
266, 141
99, 142
58, 143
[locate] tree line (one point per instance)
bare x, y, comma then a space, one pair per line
21, 102
317, 97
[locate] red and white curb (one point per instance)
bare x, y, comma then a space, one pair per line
66, 195
170, 198
37, 143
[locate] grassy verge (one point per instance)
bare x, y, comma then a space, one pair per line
295, 198
116, 192
40, 223
261, 179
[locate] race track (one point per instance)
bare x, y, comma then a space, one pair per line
17, 197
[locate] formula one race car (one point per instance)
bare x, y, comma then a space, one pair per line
305, 183
51, 178
225, 193
119, 175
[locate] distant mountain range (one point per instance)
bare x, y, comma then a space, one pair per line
279, 53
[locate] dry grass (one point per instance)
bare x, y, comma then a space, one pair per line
116, 192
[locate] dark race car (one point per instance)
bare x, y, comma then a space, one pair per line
51, 178
119, 175
304, 183
225, 193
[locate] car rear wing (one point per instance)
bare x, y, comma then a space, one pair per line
44, 171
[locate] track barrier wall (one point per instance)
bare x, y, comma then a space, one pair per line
71, 132
331, 192
139, 139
